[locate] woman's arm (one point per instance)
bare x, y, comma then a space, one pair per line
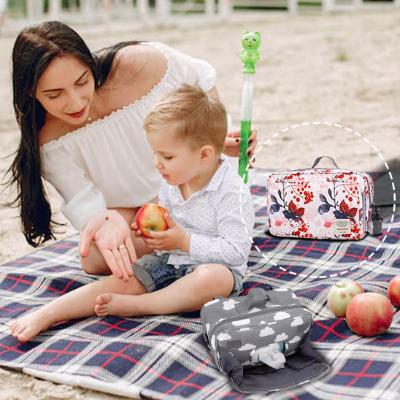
85, 207
232, 141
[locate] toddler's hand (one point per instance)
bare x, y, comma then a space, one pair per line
136, 231
174, 238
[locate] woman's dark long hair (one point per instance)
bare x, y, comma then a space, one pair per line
34, 49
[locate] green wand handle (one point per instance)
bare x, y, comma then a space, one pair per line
249, 57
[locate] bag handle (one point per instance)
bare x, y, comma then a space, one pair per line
316, 162
256, 298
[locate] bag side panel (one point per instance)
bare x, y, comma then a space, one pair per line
316, 204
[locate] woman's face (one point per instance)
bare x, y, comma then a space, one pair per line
66, 89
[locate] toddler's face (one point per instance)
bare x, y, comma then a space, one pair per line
176, 161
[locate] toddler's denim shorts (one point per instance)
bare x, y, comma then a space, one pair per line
154, 272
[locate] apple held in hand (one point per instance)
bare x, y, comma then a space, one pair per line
369, 314
150, 217
394, 291
340, 294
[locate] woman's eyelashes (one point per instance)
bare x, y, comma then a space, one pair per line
83, 83
54, 96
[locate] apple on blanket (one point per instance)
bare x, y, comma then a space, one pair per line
367, 314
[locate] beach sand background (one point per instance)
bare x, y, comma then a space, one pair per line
341, 68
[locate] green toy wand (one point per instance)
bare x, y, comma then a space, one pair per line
249, 57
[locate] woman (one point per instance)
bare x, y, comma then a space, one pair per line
81, 119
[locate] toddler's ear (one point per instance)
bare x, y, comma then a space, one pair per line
207, 152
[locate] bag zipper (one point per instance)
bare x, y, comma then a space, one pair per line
230, 319
364, 202
339, 170
365, 213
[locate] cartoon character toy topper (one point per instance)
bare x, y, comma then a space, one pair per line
250, 54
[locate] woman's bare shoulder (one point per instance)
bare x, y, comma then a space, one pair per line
138, 62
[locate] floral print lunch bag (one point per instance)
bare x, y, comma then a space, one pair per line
322, 203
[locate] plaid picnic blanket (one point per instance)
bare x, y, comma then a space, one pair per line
166, 356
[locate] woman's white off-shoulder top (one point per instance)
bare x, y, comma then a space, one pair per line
109, 163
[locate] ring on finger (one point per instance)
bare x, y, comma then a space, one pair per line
121, 247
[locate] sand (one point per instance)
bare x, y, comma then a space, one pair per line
341, 68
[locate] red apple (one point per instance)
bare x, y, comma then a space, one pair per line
369, 314
340, 294
150, 217
394, 291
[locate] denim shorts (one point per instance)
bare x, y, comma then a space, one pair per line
154, 272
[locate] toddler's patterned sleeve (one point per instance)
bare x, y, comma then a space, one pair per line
235, 222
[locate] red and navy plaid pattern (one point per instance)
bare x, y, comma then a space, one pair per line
166, 356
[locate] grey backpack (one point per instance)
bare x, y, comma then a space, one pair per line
260, 341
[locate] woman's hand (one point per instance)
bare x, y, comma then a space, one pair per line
232, 143
112, 235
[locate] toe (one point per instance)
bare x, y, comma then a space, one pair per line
104, 298
13, 326
22, 334
18, 329
22, 338
100, 311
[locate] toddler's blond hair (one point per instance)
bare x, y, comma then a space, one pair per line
196, 116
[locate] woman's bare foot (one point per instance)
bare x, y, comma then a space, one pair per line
121, 305
29, 325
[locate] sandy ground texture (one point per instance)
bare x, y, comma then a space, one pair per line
341, 68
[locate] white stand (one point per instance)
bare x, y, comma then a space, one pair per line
292, 7
143, 8
209, 6
88, 8
54, 9
163, 9
35, 10
328, 5
225, 8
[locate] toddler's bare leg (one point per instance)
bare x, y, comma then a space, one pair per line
78, 303
186, 294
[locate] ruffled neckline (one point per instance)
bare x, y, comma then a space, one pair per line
100, 121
